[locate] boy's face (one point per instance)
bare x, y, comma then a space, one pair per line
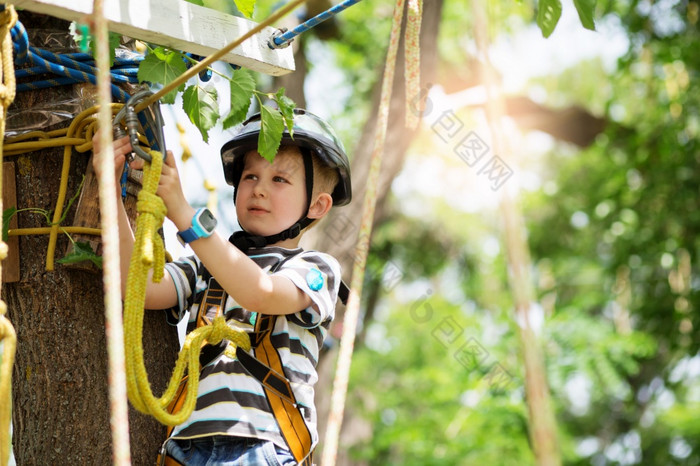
271, 197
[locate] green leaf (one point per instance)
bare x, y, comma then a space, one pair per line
162, 66
202, 107
6, 216
196, 2
114, 43
548, 14
242, 86
286, 106
82, 251
586, 10
246, 7
271, 128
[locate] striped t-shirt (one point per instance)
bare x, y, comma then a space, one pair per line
229, 400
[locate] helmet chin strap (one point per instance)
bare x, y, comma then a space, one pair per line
245, 241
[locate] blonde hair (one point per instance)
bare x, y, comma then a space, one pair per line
325, 178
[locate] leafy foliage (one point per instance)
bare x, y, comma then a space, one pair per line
200, 102
548, 14
242, 87
271, 123
163, 66
426, 407
614, 235
201, 106
585, 9
246, 7
82, 251
7, 214
237, 7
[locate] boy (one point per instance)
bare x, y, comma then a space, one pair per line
259, 407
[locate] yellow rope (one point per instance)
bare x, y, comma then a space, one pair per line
8, 337
47, 230
148, 254
77, 136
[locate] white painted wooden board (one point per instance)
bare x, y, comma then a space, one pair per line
179, 25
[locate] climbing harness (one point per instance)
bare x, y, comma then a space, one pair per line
282, 38
265, 366
8, 337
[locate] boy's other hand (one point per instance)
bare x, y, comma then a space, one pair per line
122, 150
170, 190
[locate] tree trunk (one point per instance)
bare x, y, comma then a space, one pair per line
60, 394
340, 231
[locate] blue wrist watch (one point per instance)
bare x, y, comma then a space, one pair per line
203, 225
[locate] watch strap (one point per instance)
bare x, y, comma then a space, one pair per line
187, 236
196, 231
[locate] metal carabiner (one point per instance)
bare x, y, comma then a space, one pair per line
154, 120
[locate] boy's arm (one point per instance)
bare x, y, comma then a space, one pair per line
242, 278
245, 281
158, 295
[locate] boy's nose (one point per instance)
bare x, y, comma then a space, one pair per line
259, 189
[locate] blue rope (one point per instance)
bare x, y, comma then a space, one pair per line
68, 68
282, 40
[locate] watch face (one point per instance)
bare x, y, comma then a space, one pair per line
207, 220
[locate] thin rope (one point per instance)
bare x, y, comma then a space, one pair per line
76, 125
68, 66
412, 53
283, 40
77, 136
111, 271
8, 337
541, 419
202, 65
347, 341
47, 231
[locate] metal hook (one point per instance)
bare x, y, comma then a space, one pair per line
154, 120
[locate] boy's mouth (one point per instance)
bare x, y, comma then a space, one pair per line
257, 210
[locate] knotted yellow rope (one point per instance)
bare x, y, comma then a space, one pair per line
149, 253
9, 343
8, 337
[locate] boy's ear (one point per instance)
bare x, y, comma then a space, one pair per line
320, 206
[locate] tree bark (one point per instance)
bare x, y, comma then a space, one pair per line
60, 394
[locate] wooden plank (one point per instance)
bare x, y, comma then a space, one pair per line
178, 25
87, 213
10, 266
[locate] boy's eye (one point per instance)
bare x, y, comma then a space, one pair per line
249, 176
279, 179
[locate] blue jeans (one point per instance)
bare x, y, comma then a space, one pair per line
221, 450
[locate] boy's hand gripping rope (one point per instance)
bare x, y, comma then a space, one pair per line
149, 253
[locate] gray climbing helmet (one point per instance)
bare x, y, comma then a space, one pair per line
310, 132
